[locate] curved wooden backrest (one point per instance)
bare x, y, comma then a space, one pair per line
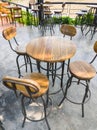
9, 33
95, 47
68, 30
24, 86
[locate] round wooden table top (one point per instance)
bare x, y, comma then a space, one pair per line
51, 49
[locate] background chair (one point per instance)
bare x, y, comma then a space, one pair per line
31, 86
34, 12
92, 26
83, 72
4, 13
91, 22
17, 14
58, 13
9, 34
80, 18
4, 17
47, 22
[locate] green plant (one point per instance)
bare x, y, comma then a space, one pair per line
84, 19
67, 20
28, 19
63, 20
89, 18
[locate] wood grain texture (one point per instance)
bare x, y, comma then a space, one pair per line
82, 70
69, 30
36, 83
51, 49
9, 33
95, 47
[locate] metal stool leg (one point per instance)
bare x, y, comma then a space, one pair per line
94, 30
63, 64
23, 110
65, 93
85, 96
45, 105
29, 60
18, 66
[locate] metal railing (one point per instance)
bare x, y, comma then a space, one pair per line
70, 9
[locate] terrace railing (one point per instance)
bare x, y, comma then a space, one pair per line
70, 9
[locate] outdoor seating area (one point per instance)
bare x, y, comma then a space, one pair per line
68, 115
48, 71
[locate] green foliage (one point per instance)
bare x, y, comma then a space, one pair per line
85, 19
57, 20
28, 19
89, 18
67, 20
63, 20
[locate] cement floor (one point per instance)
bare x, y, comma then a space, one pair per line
68, 117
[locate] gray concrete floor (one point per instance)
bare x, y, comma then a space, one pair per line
68, 117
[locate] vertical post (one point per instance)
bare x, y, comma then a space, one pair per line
27, 11
41, 13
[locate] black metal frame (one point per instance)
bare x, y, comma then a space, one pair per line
51, 70
45, 106
85, 96
27, 59
1, 127
86, 84
28, 88
93, 25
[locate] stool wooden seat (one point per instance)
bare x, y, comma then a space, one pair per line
82, 72
31, 86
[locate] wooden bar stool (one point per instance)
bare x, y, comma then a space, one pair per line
4, 13
58, 13
32, 86
9, 34
81, 73
17, 15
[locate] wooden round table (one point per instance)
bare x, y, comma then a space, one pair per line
51, 49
